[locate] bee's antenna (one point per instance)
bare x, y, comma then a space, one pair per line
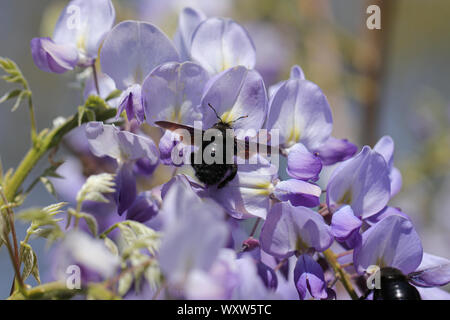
209, 104
243, 117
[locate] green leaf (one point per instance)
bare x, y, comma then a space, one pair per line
22, 95
48, 186
138, 236
49, 172
91, 222
153, 275
125, 282
13, 73
10, 95
95, 102
111, 246
44, 217
95, 186
81, 110
29, 259
4, 229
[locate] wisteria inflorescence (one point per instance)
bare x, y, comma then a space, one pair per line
137, 224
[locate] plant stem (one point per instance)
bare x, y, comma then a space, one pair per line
51, 290
94, 72
38, 150
255, 227
343, 276
15, 258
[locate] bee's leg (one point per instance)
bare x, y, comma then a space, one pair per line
233, 172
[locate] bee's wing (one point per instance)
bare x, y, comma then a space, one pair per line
246, 149
178, 128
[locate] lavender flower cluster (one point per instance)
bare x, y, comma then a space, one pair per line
259, 236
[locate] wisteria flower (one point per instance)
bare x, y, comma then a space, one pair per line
78, 34
309, 278
126, 148
219, 44
290, 229
385, 147
361, 182
131, 50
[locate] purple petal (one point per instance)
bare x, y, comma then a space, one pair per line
131, 102
386, 212
301, 112
106, 86
188, 21
107, 140
302, 164
132, 49
344, 223
172, 92
219, 44
296, 73
392, 242
144, 208
167, 143
126, 190
194, 233
145, 167
396, 181
298, 192
433, 271
309, 278
336, 150
288, 229
267, 275
433, 294
235, 93
361, 182
385, 147
51, 57
84, 24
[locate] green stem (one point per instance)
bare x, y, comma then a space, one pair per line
343, 276
49, 141
47, 291
33, 120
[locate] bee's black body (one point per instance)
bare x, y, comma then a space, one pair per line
395, 286
215, 173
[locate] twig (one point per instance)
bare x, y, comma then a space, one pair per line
343, 276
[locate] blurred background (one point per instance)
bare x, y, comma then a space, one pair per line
392, 81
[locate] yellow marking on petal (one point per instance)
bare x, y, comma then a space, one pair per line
300, 245
81, 42
175, 116
294, 135
347, 197
381, 263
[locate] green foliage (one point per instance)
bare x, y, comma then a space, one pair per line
136, 264
43, 222
94, 188
14, 75
43, 178
88, 110
29, 259
89, 218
